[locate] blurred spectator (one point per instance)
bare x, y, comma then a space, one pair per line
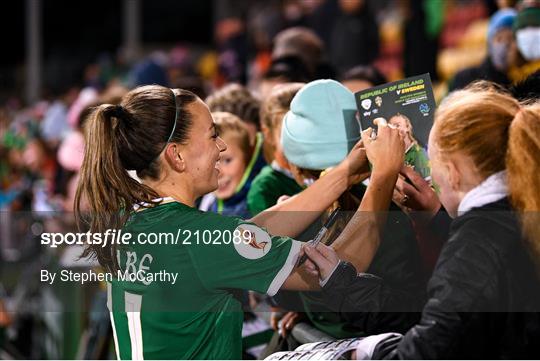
40, 162
306, 45
528, 89
71, 151
236, 99
55, 126
527, 34
231, 40
111, 95
264, 21
193, 83
182, 72
362, 77
18, 129
150, 70
496, 63
301, 42
494, 5
286, 69
354, 37
86, 96
422, 28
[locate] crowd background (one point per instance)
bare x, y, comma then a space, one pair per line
91, 55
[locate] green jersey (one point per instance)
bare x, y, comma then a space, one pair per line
195, 315
267, 187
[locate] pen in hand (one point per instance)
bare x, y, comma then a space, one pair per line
320, 235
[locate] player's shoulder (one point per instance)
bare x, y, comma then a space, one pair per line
211, 220
181, 215
172, 214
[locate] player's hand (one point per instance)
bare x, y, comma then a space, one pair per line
386, 151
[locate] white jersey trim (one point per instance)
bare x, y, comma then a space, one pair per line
133, 311
143, 205
286, 270
111, 315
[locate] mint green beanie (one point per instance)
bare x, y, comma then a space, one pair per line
320, 128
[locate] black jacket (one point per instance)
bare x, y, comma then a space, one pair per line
374, 303
485, 71
483, 296
367, 302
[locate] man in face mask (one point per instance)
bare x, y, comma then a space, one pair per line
527, 35
495, 65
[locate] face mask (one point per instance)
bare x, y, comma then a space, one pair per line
499, 55
528, 43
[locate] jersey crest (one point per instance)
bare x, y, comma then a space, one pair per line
254, 242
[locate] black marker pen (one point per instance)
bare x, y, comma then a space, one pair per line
322, 232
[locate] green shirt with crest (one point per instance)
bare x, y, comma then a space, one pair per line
197, 316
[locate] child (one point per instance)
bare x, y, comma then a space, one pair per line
237, 99
317, 133
236, 164
274, 180
483, 296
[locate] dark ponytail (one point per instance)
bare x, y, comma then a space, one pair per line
129, 136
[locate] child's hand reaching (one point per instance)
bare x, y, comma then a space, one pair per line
356, 164
416, 195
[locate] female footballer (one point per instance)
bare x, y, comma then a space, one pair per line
168, 137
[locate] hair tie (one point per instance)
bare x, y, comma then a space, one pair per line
118, 111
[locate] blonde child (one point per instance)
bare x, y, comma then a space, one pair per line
236, 164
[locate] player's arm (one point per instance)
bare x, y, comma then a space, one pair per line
360, 239
291, 217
